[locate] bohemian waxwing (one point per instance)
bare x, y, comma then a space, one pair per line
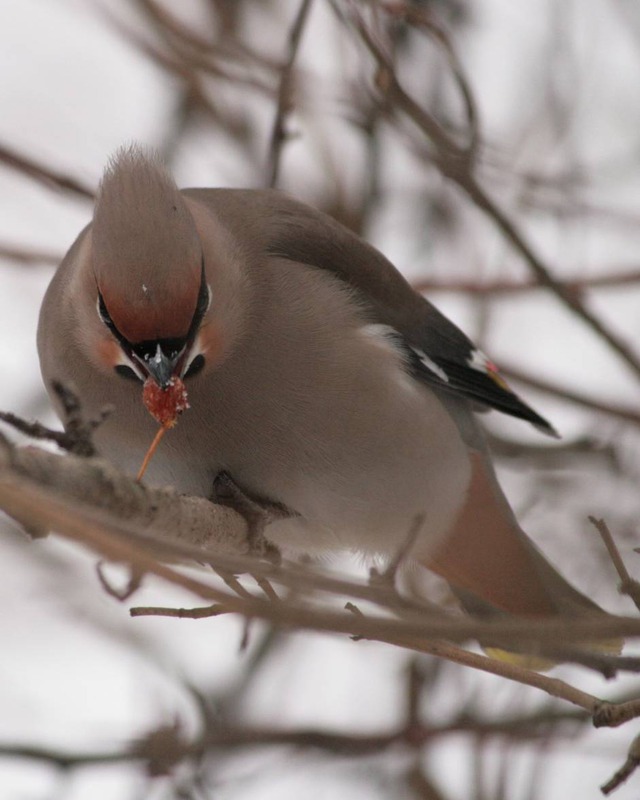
316, 377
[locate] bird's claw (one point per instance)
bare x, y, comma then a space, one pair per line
257, 512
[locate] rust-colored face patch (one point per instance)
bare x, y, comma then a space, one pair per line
152, 315
109, 353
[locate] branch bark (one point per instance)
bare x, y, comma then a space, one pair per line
90, 503
91, 483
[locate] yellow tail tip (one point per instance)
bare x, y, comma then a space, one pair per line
607, 647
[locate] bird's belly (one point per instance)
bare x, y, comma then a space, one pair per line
357, 478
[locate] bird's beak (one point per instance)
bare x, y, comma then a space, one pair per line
161, 367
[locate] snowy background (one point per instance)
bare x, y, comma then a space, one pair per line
556, 86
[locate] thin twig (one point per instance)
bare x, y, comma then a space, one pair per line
52, 179
544, 274
543, 455
415, 680
132, 586
285, 92
626, 770
418, 18
628, 585
234, 584
626, 413
202, 612
77, 436
230, 47
125, 543
180, 68
197, 54
528, 726
455, 163
577, 286
118, 538
35, 430
353, 608
552, 686
62, 759
25, 254
78, 429
266, 587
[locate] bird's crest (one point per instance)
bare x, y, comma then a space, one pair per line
147, 256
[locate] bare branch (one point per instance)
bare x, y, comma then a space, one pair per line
422, 20
626, 413
526, 727
576, 286
77, 437
205, 612
626, 770
43, 174
89, 482
132, 586
27, 255
123, 543
285, 92
628, 585
456, 163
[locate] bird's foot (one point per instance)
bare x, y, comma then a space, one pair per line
257, 512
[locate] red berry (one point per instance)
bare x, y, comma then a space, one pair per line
165, 405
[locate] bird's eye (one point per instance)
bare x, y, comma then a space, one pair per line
195, 366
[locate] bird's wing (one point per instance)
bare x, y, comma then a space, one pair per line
437, 351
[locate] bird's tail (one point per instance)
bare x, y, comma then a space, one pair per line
493, 567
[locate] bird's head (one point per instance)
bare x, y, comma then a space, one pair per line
148, 283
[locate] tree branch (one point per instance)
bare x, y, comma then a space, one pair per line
577, 286
285, 90
52, 179
187, 527
626, 413
27, 255
457, 164
92, 483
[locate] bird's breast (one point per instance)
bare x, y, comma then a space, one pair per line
313, 411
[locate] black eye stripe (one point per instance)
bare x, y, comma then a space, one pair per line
104, 314
172, 348
147, 350
195, 366
126, 372
202, 304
